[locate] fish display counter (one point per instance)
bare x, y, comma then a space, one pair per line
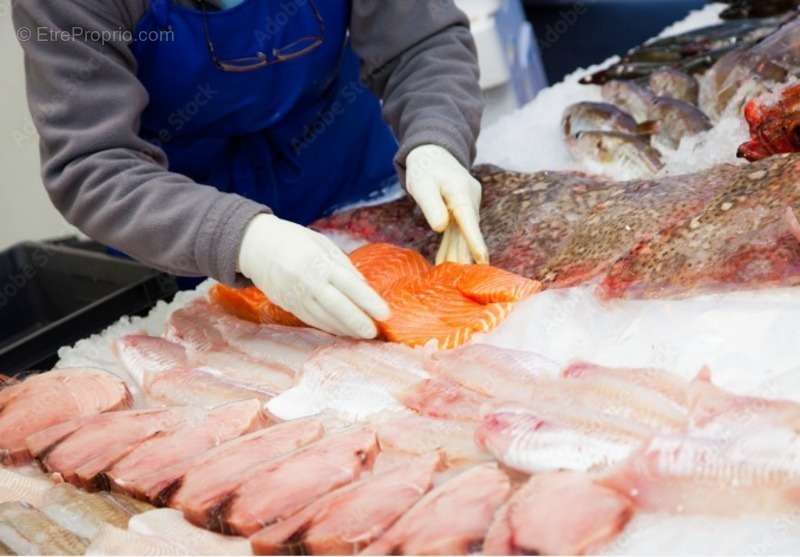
623, 380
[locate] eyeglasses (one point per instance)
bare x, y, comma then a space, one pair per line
296, 49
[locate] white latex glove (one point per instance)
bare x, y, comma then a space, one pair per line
450, 199
304, 273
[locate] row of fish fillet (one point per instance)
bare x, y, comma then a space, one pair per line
402, 451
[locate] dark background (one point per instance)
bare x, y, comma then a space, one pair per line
578, 34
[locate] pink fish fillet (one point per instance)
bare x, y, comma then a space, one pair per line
192, 387
101, 441
346, 520
144, 356
279, 489
450, 520
48, 399
496, 372
153, 469
213, 477
558, 513
541, 438
441, 398
759, 473
193, 327
418, 435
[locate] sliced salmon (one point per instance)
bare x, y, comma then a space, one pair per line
447, 304
213, 477
384, 264
51, 398
452, 519
154, 469
82, 456
349, 518
277, 490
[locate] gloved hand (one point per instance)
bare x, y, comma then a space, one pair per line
450, 199
304, 272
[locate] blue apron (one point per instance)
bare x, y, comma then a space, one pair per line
302, 136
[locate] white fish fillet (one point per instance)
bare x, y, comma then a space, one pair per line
15, 486
169, 524
353, 379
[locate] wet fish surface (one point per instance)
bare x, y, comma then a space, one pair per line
627, 155
715, 230
673, 83
26, 530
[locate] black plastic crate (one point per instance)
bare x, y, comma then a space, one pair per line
54, 295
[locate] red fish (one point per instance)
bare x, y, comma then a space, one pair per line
774, 127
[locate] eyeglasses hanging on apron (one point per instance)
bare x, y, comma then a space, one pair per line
295, 49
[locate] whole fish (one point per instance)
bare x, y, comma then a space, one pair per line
25, 530
603, 117
630, 97
677, 119
628, 155
723, 228
673, 83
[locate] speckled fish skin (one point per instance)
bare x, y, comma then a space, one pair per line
569, 228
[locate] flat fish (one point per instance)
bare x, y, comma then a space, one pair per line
154, 469
278, 489
85, 513
409, 433
354, 379
452, 519
718, 229
559, 513
495, 372
15, 486
757, 473
348, 519
557, 436
169, 524
98, 443
50, 398
213, 477
25, 530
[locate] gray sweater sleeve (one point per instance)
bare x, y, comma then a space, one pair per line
86, 103
420, 58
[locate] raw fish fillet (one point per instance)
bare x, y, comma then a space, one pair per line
418, 435
446, 304
47, 399
144, 356
345, 521
495, 372
83, 456
84, 513
717, 229
15, 486
450, 520
250, 304
213, 477
278, 489
564, 436
153, 470
193, 328
759, 473
169, 524
355, 379
26, 530
192, 387
559, 513
441, 398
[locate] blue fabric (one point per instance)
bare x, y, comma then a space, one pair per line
302, 136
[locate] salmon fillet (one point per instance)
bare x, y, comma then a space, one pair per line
447, 304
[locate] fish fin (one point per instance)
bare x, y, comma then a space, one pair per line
650, 127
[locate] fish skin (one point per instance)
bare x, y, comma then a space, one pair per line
51, 398
346, 520
215, 475
26, 530
676, 84
677, 119
83, 456
278, 489
495, 372
629, 155
154, 469
630, 97
756, 473
452, 519
595, 116
558, 513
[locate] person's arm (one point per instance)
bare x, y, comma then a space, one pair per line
420, 58
86, 103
